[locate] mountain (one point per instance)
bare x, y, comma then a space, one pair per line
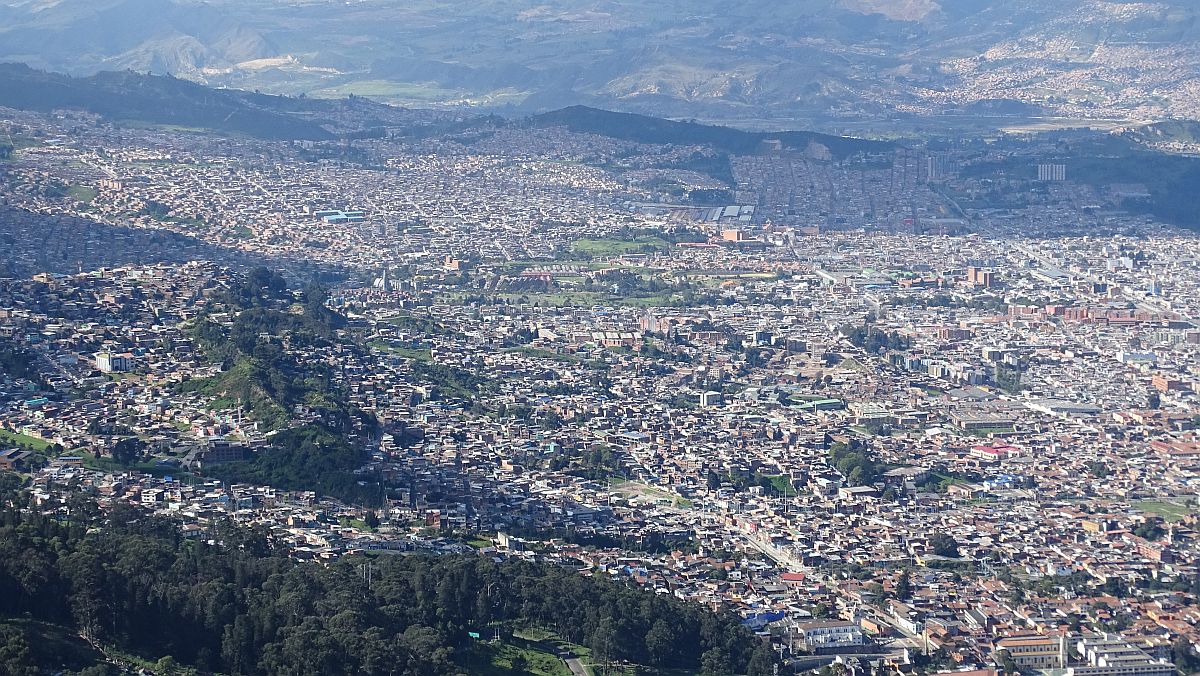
757, 60
153, 99
127, 96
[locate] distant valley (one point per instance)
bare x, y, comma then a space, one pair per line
822, 62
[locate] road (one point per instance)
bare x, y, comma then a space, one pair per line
576, 666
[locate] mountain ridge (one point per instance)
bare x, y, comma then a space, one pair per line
645, 129
801, 60
127, 96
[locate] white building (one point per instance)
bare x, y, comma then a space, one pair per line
108, 362
830, 634
1112, 655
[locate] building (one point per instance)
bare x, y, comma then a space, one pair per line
1112, 655
1164, 384
215, 452
108, 362
978, 277
1034, 652
827, 635
14, 460
1052, 172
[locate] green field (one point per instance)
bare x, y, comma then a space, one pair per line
82, 193
618, 247
416, 354
852, 364
589, 298
242, 232
107, 464
386, 89
520, 656
1169, 510
23, 440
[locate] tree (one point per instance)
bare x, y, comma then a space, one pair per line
16, 658
1154, 400
715, 662
128, 450
128, 580
660, 643
904, 586
1006, 660
371, 519
603, 643
169, 666
1185, 655
552, 420
762, 662
944, 544
876, 591
713, 481
856, 476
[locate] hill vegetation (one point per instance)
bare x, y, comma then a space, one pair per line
1106, 161
652, 130
133, 97
231, 603
299, 403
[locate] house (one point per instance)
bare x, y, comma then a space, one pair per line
14, 460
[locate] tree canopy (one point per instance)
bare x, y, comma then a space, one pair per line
239, 606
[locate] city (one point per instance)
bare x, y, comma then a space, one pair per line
850, 403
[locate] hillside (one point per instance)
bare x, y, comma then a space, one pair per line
805, 60
644, 129
164, 100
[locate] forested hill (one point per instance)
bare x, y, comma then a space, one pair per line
653, 130
129, 583
128, 96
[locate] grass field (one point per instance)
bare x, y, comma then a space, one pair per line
520, 656
107, 464
82, 193
852, 364
23, 440
386, 89
416, 354
618, 247
590, 298
1169, 510
539, 353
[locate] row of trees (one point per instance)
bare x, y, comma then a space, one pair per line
240, 607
